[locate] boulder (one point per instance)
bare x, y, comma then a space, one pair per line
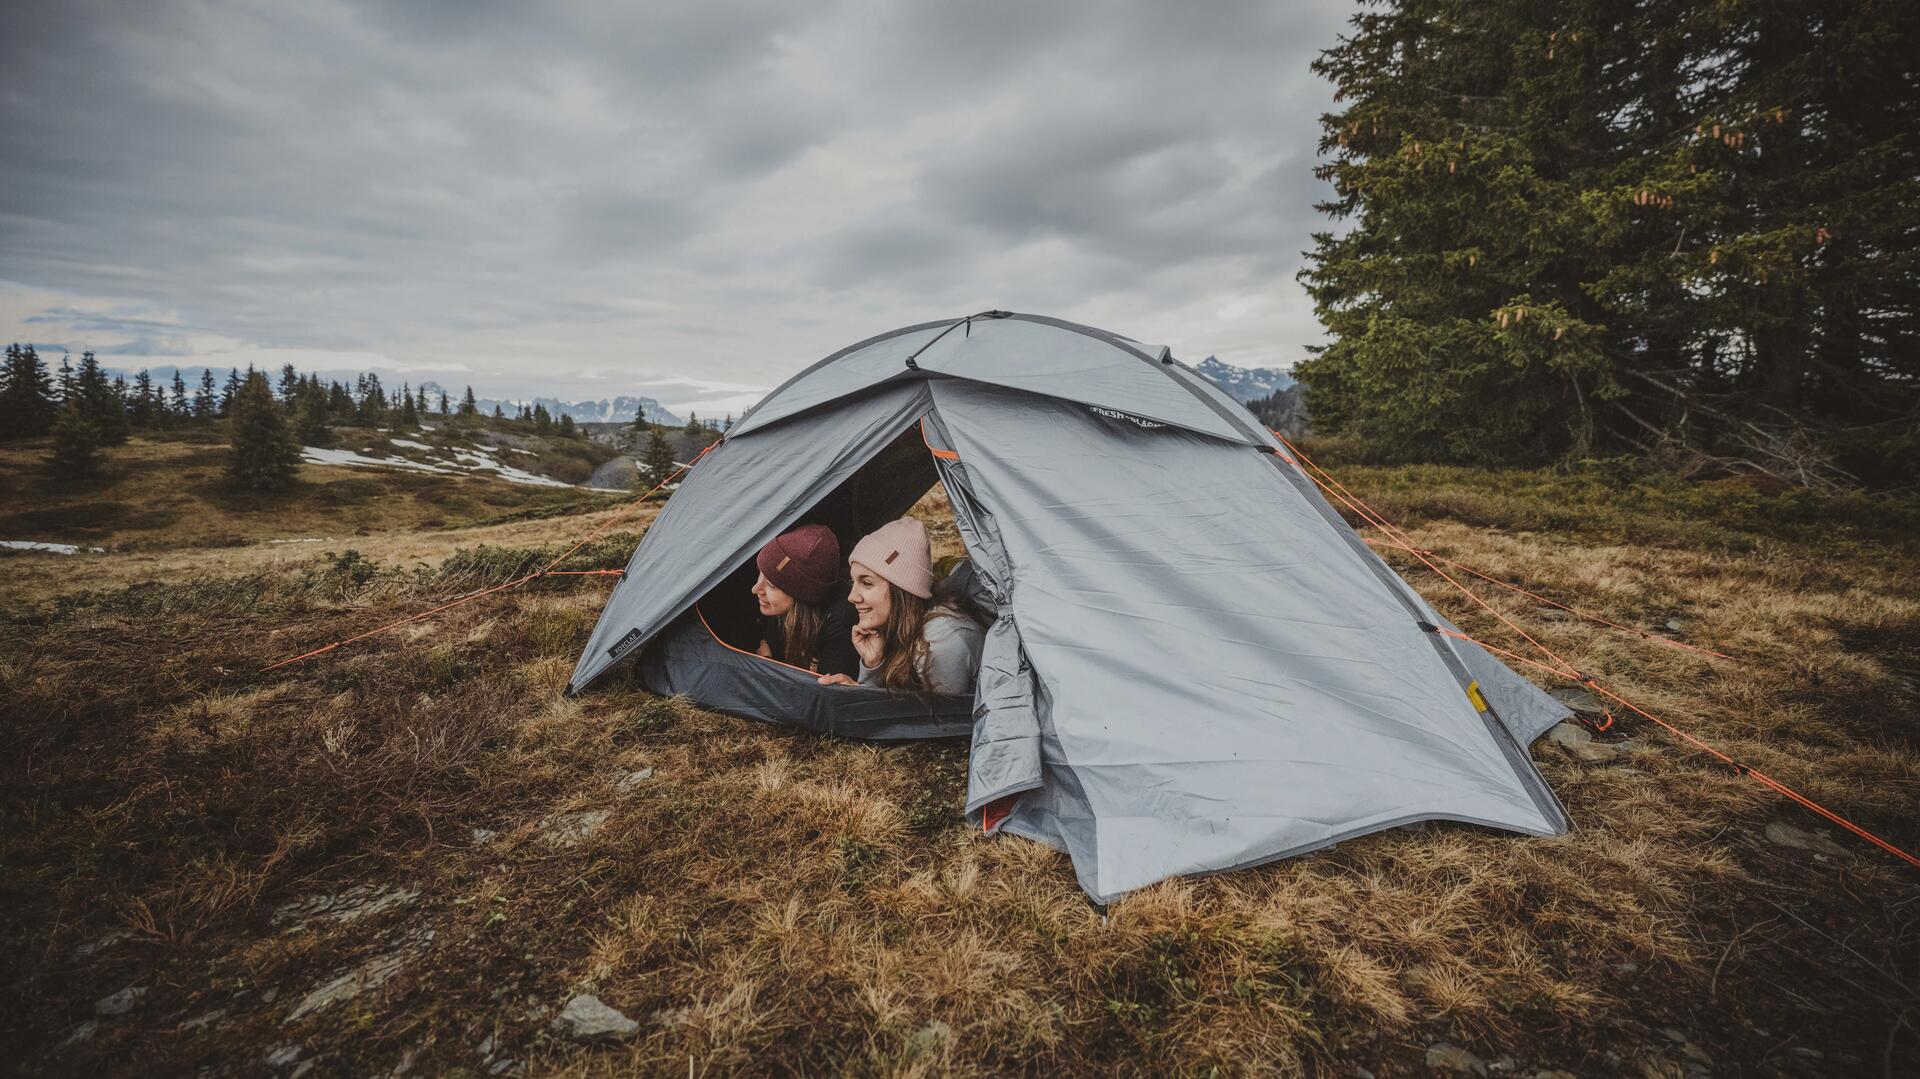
1452, 1058
1820, 842
119, 1003
587, 1019
1579, 744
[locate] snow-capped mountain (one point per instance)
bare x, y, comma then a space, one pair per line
606, 410
1244, 384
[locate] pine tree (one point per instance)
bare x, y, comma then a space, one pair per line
567, 427
698, 434
226, 392
1572, 224
289, 384
542, 420
141, 411
179, 406
66, 378
104, 409
340, 404
658, 463
497, 414
124, 403
467, 405
264, 456
640, 424
203, 401
373, 408
409, 416
443, 402
311, 412
76, 444
27, 407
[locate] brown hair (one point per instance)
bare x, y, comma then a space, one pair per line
905, 637
800, 630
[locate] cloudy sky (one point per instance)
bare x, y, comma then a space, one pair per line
588, 199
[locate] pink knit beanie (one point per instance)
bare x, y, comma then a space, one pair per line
899, 551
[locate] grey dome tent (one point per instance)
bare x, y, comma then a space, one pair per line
1194, 664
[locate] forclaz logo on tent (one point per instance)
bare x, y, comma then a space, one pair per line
1135, 420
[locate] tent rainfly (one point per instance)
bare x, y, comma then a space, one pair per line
1195, 665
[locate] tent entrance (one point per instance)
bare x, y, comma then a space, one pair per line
708, 654
884, 488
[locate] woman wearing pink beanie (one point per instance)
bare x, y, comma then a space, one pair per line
907, 642
807, 624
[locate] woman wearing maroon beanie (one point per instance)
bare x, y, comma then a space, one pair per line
808, 621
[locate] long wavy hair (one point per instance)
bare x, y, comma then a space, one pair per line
800, 631
903, 667
905, 638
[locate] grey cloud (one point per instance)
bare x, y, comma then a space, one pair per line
614, 222
431, 179
892, 254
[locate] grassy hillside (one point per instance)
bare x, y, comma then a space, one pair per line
160, 501
413, 853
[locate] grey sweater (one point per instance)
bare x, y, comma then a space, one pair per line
952, 658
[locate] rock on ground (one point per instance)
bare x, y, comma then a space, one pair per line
357, 902
1579, 744
119, 1003
204, 1019
1577, 698
1688, 1049
102, 943
572, 829
586, 1018
1454, 1059
930, 1038
371, 974
81, 1032
1800, 839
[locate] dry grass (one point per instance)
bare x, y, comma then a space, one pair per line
162, 508
771, 901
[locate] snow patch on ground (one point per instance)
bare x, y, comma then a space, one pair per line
477, 459
322, 456
409, 443
465, 462
52, 548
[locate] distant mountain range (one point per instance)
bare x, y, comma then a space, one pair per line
606, 410
1244, 384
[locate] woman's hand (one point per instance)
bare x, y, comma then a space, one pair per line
837, 680
871, 646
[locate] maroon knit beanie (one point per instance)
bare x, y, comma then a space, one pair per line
803, 563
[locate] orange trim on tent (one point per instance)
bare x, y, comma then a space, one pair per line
997, 810
944, 455
766, 659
